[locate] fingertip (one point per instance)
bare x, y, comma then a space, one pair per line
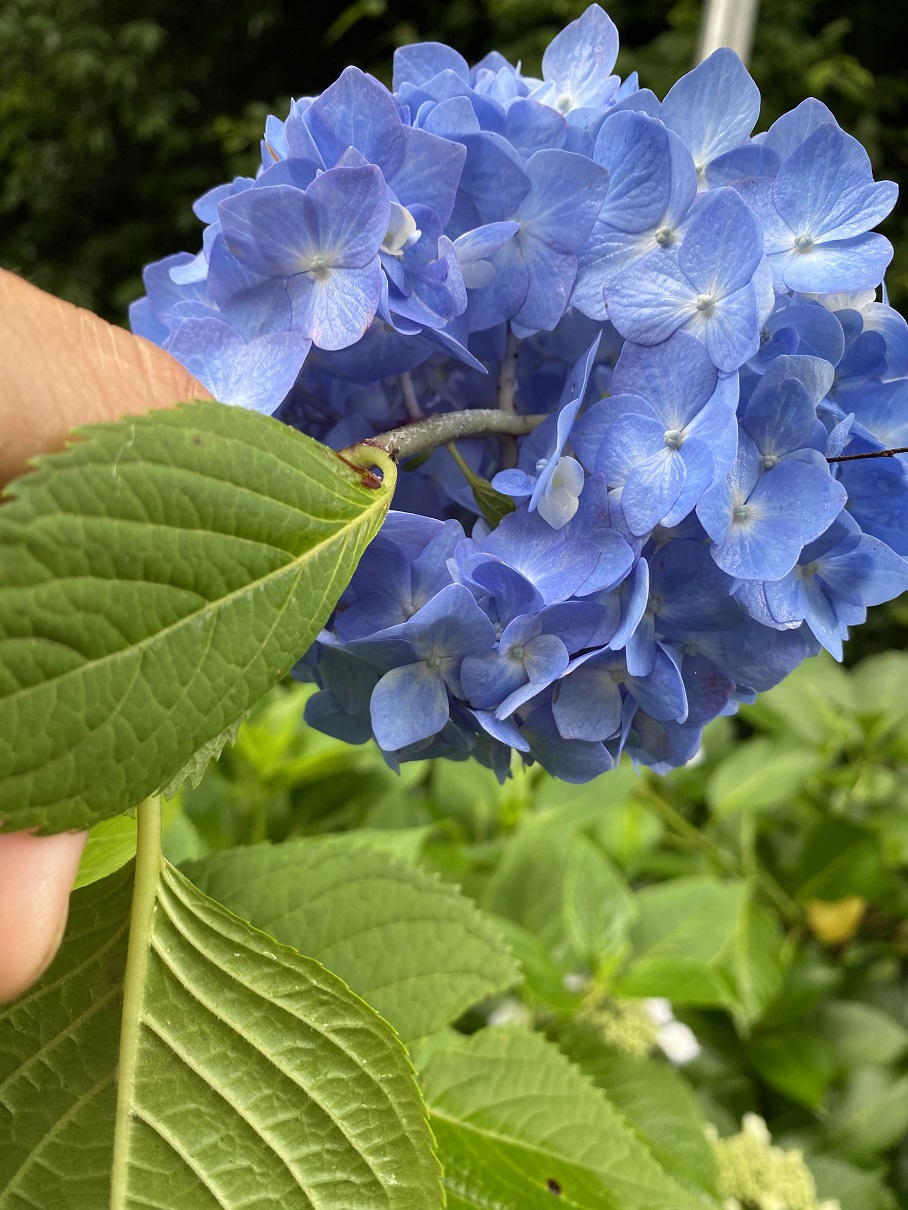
36, 877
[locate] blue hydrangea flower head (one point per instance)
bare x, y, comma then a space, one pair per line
681, 319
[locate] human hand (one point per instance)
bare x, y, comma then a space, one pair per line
59, 367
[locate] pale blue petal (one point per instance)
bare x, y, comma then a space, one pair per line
700, 472
788, 132
258, 375
566, 195
826, 187
714, 107
550, 279
723, 245
869, 575
514, 483
408, 704
581, 56
634, 149
545, 658
661, 694
418, 63
505, 730
572, 761
493, 176
429, 172
651, 488
822, 620
334, 311
532, 127
587, 703
488, 678
830, 267
511, 592
357, 111
782, 419
676, 377
254, 305
628, 441
651, 299
634, 595
750, 160
731, 331
787, 598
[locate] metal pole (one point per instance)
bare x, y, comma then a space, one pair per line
727, 23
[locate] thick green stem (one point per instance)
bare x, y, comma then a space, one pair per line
426, 435
149, 860
694, 838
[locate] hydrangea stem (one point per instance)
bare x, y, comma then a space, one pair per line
507, 375
408, 391
507, 390
691, 835
873, 454
426, 435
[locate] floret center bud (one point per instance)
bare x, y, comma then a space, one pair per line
741, 512
803, 242
810, 569
663, 236
705, 302
517, 652
768, 461
541, 464
673, 438
433, 662
319, 268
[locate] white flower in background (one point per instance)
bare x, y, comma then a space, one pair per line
511, 1011
675, 1039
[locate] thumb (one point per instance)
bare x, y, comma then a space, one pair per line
61, 366
36, 873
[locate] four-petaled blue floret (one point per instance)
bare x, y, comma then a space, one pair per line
687, 310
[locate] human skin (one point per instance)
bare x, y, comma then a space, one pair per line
60, 367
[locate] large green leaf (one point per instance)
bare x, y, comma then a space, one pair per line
657, 1101
415, 948
517, 1123
698, 940
155, 580
244, 1075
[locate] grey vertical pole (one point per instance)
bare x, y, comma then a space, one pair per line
727, 23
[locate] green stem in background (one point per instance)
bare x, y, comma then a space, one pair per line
694, 838
426, 435
507, 390
149, 860
408, 391
461, 462
507, 376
